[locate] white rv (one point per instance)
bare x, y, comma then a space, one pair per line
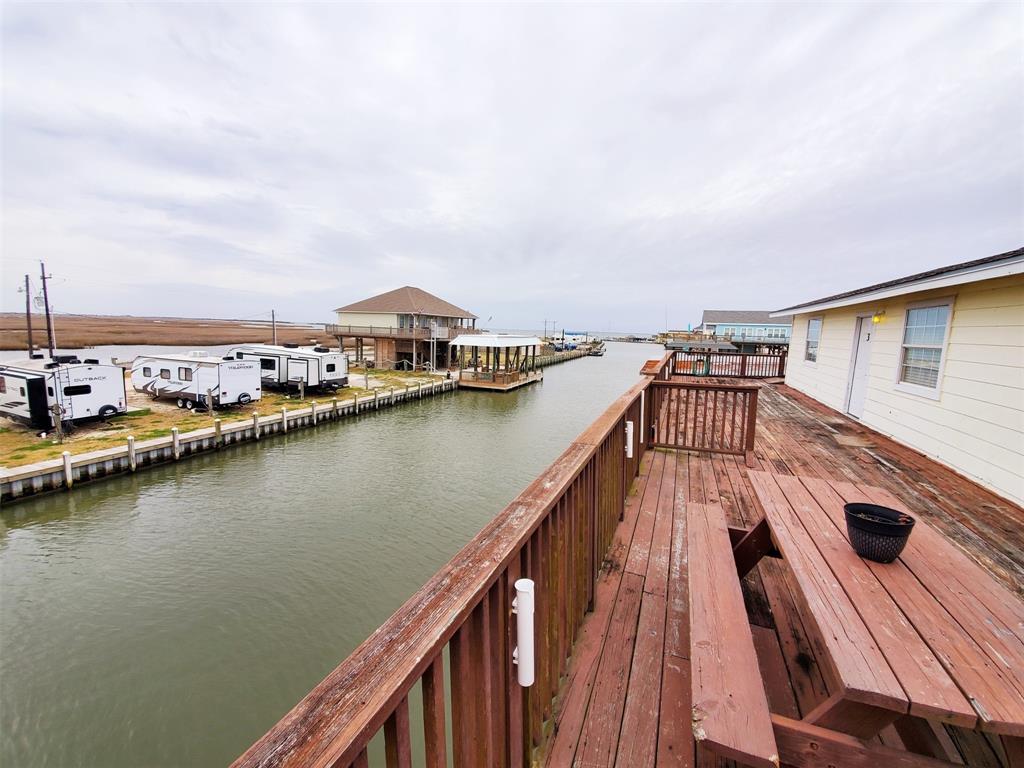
287, 365
188, 378
35, 391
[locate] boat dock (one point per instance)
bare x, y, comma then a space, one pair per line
672, 486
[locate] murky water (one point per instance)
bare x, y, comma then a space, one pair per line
170, 618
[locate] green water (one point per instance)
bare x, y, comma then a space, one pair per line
170, 618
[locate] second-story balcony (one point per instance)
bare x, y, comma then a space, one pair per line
441, 333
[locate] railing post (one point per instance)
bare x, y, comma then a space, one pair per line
743, 366
748, 448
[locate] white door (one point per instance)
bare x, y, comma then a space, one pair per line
859, 373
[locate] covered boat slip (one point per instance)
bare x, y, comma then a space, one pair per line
497, 361
699, 608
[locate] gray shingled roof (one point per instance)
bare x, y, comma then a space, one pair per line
408, 300
911, 278
743, 317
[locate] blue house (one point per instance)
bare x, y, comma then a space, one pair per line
747, 328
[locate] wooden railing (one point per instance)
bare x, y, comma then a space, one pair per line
555, 532
497, 377
729, 364
371, 331
719, 418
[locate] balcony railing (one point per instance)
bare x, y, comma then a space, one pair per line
387, 332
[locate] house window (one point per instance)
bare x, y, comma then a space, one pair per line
924, 335
147, 371
77, 389
185, 374
165, 373
813, 337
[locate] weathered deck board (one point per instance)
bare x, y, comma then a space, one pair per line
795, 435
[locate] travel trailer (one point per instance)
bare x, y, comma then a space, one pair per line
35, 391
188, 378
287, 365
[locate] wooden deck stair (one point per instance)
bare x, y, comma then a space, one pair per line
626, 698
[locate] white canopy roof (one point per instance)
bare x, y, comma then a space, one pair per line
495, 340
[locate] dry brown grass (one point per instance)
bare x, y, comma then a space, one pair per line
75, 331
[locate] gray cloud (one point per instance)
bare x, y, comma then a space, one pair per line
597, 164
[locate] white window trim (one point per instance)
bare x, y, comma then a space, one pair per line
813, 363
916, 389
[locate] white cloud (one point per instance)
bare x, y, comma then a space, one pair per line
594, 162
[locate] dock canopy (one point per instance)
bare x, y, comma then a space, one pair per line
497, 361
496, 341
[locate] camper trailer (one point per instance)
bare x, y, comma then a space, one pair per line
287, 365
187, 379
36, 391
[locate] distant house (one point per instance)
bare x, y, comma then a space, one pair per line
747, 329
934, 360
408, 326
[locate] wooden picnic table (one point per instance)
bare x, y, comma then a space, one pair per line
929, 637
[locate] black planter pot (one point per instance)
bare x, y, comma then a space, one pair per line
877, 533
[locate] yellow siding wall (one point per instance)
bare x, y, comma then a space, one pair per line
976, 426
383, 319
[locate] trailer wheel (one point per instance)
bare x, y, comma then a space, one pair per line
180, 402
107, 411
190, 405
245, 398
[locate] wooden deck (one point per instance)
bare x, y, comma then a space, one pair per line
625, 698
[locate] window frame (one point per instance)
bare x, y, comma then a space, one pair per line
184, 373
932, 393
807, 339
165, 371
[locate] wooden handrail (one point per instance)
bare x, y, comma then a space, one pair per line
703, 416
729, 364
556, 532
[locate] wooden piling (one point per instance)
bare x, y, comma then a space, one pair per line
175, 443
131, 453
69, 475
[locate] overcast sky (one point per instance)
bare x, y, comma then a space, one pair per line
603, 166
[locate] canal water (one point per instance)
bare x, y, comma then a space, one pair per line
171, 617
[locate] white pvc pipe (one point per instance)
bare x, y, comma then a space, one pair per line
629, 439
523, 655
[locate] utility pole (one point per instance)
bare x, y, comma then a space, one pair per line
46, 305
273, 324
28, 316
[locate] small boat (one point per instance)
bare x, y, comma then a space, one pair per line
596, 349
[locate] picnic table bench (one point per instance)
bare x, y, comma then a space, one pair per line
929, 637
